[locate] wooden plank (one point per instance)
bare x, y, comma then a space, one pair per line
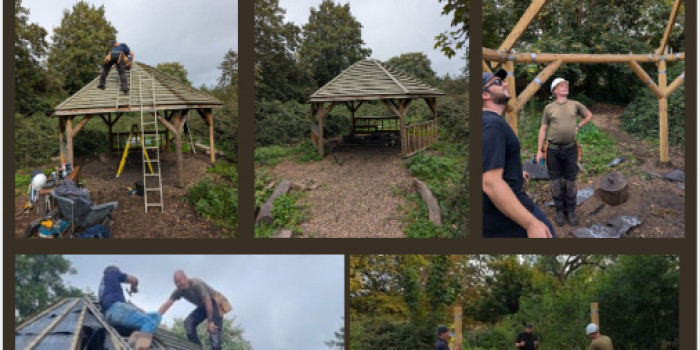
500, 56
78, 329
663, 115
51, 326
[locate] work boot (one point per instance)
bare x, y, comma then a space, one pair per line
101, 86
559, 218
571, 214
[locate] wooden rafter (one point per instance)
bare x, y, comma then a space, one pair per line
525, 20
535, 85
669, 26
646, 79
501, 56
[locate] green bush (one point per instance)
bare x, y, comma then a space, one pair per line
271, 155
215, 202
36, 139
641, 117
281, 123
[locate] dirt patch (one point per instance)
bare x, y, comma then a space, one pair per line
658, 203
357, 197
178, 220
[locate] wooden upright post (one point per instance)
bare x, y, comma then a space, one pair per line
210, 122
69, 138
511, 113
458, 326
594, 314
663, 115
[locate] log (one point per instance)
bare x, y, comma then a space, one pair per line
207, 149
430, 202
265, 214
613, 189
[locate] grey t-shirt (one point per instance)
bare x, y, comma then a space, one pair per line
194, 293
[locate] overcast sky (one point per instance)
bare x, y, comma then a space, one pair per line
393, 27
284, 302
195, 33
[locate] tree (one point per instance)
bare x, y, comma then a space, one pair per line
277, 73
416, 64
80, 44
453, 41
226, 121
339, 341
231, 336
30, 75
332, 41
175, 70
38, 283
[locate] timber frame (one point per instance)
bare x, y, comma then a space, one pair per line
372, 80
507, 59
174, 101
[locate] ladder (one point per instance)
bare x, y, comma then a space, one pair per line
152, 185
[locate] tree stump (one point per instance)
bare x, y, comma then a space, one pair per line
430, 201
265, 214
613, 189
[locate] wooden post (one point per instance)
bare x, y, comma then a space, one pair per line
176, 129
210, 122
595, 314
457, 312
61, 133
535, 85
663, 115
111, 137
319, 118
511, 113
69, 138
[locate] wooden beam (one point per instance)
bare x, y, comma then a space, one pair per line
524, 21
501, 56
535, 85
511, 114
210, 123
322, 113
81, 125
669, 27
69, 139
675, 85
457, 316
663, 115
646, 79
595, 316
485, 67
178, 147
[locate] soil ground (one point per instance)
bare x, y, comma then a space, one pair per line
658, 203
356, 198
178, 220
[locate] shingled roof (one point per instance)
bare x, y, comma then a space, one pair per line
73, 321
170, 93
371, 79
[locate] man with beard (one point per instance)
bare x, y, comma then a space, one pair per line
507, 210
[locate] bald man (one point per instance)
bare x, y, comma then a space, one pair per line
211, 305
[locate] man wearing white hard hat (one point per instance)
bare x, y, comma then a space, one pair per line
598, 341
560, 118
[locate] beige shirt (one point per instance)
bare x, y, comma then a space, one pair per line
603, 342
561, 119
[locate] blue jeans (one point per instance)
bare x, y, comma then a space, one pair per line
539, 214
196, 317
127, 316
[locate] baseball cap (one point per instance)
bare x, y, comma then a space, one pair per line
111, 268
591, 328
529, 326
485, 76
442, 329
556, 82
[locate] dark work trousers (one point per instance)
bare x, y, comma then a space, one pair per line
196, 317
563, 163
114, 58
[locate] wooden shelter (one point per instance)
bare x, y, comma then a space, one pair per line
168, 95
78, 323
373, 80
507, 58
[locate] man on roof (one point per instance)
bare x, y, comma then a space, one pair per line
115, 308
121, 56
211, 306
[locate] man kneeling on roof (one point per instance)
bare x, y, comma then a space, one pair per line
117, 311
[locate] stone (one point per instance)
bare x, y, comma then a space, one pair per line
614, 228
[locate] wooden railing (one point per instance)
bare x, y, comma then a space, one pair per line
419, 136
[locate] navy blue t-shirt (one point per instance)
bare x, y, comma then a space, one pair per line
441, 345
501, 150
111, 289
123, 48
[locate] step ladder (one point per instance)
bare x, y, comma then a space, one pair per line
152, 185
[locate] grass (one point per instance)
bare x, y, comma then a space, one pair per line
304, 152
287, 214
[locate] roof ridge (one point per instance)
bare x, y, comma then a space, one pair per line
403, 88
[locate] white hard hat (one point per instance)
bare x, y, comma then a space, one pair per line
38, 181
591, 328
556, 82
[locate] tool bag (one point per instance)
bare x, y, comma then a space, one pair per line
222, 303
